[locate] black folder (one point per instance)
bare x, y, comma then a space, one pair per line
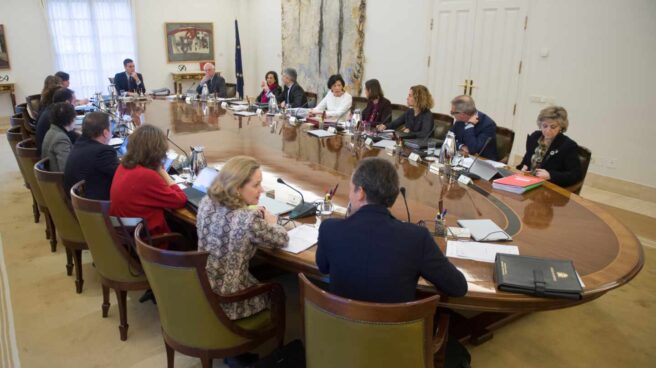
537, 276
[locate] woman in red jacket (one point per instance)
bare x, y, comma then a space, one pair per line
141, 187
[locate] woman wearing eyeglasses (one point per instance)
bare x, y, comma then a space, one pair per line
550, 154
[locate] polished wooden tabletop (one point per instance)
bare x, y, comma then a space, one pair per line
546, 222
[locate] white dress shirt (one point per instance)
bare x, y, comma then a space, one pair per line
335, 106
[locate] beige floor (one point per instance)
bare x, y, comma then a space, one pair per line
57, 328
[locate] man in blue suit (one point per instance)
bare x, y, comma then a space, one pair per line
473, 128
370, 255
129, 81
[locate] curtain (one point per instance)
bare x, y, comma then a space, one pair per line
91, 38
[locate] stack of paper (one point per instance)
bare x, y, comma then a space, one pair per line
385, 143
482, 252
301, 238
321, 133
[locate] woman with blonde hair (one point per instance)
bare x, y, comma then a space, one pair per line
550, 154
418, 120
141, 186
230, 228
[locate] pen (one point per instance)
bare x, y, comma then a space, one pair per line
334, 190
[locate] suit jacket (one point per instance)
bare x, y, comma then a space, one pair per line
421, 124
561, 160
42, 127
121, 83
474, 138
56, 147
371, 256
215, 85
383, 114
294, 96
93, 162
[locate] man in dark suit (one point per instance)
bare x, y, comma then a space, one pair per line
129, 81
91, 159
473, 128
370, 255
215, 83
293, 95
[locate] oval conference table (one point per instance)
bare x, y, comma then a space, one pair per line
546, 222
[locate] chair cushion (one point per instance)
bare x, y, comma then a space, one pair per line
257, 321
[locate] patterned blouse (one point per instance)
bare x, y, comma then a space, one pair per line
231, 237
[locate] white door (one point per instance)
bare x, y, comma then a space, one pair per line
491, 59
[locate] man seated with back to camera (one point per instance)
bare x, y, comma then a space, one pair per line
473, 128
92, 159
373, 257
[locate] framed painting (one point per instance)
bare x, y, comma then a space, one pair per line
4, 52
189, 42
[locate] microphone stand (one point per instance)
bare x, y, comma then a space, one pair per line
188, 162
304, 209
407, 210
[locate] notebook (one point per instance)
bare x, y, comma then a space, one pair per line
484, 230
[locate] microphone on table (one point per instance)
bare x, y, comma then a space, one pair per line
470, 174
304, 209
402, 190
190, 89
188, 162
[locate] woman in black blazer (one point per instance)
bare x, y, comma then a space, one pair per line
270, 84
549, 153
418, 120
379, 109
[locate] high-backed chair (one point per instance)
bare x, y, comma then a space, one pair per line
585, 156
312, 99
359, 103
442, 125
118, 269
33, 102
505, 139
27, 158
14, 136
231, 90
341, 332
193, 321
20, 108
16, 120
398, 110
52, 188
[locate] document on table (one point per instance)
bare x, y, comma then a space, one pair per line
245, 113
301, 238
385, 143
321, 133
275, 207
468, 161
482, 252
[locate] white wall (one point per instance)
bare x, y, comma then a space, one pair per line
150, 18
28, 41
601, 68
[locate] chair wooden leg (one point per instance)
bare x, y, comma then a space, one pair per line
77, 262
53, 232
35, 210
170, 354
121, 295
206, 362
105, 304
69, 262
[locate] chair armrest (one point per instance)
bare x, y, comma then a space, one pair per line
174, 241
255, 290
277, 297
575, 188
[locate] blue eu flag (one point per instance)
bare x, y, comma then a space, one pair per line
239, 70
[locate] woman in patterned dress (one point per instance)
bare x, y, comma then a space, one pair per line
230, 229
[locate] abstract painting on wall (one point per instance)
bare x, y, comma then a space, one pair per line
189, 42
321, 38
4, 53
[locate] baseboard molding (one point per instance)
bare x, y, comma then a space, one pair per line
619, 186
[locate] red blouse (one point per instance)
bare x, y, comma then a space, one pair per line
142, 192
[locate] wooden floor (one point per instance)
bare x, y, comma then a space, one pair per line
57, 328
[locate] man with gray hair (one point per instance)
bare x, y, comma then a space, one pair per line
294, 95
215, 83
473, 128
371, 256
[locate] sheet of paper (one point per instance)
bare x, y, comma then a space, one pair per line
205, 178
468, 161
385, 143
459, 232
482, 252
274, 206
321, 133
245, 113
301, 238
